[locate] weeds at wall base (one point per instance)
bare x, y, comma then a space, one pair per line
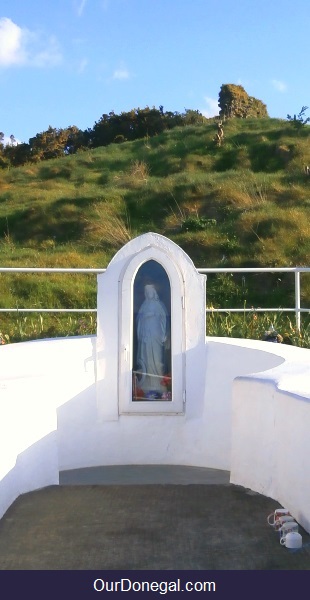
248, 325
20, 328
255, 326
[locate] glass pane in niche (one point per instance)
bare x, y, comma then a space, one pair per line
151, 377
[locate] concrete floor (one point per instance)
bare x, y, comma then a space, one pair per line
144, 518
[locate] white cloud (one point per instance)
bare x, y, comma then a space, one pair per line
8, 141
280, 86
12, 43
81, 6
48, 56
121, 73
212, 108
82, 66
21, 47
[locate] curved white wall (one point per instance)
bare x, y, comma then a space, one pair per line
50, 419
200, 437
270, 434
35, 378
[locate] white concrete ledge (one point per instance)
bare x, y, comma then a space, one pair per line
270, 432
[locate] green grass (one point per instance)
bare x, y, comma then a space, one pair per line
245, 203
19, 327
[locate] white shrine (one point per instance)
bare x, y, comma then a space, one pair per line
151, 388
155, 263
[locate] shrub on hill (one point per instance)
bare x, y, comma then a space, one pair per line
235, 102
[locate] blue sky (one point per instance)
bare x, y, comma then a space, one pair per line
66, 62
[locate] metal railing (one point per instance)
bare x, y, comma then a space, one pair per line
296, 270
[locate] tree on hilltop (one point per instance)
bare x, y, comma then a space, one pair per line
54, 142
235, 102
299, 120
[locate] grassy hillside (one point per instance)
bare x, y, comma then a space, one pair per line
245, 203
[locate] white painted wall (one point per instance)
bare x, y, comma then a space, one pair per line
36, 378
270, 433
50, 421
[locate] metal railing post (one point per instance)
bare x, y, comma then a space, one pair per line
297, 299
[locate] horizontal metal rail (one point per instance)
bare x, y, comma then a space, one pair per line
48, 310
199, 269
296, 270
48, 270
254, 310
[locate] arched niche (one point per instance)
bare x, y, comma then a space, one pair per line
152, 335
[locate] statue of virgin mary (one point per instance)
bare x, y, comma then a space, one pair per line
152, 335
